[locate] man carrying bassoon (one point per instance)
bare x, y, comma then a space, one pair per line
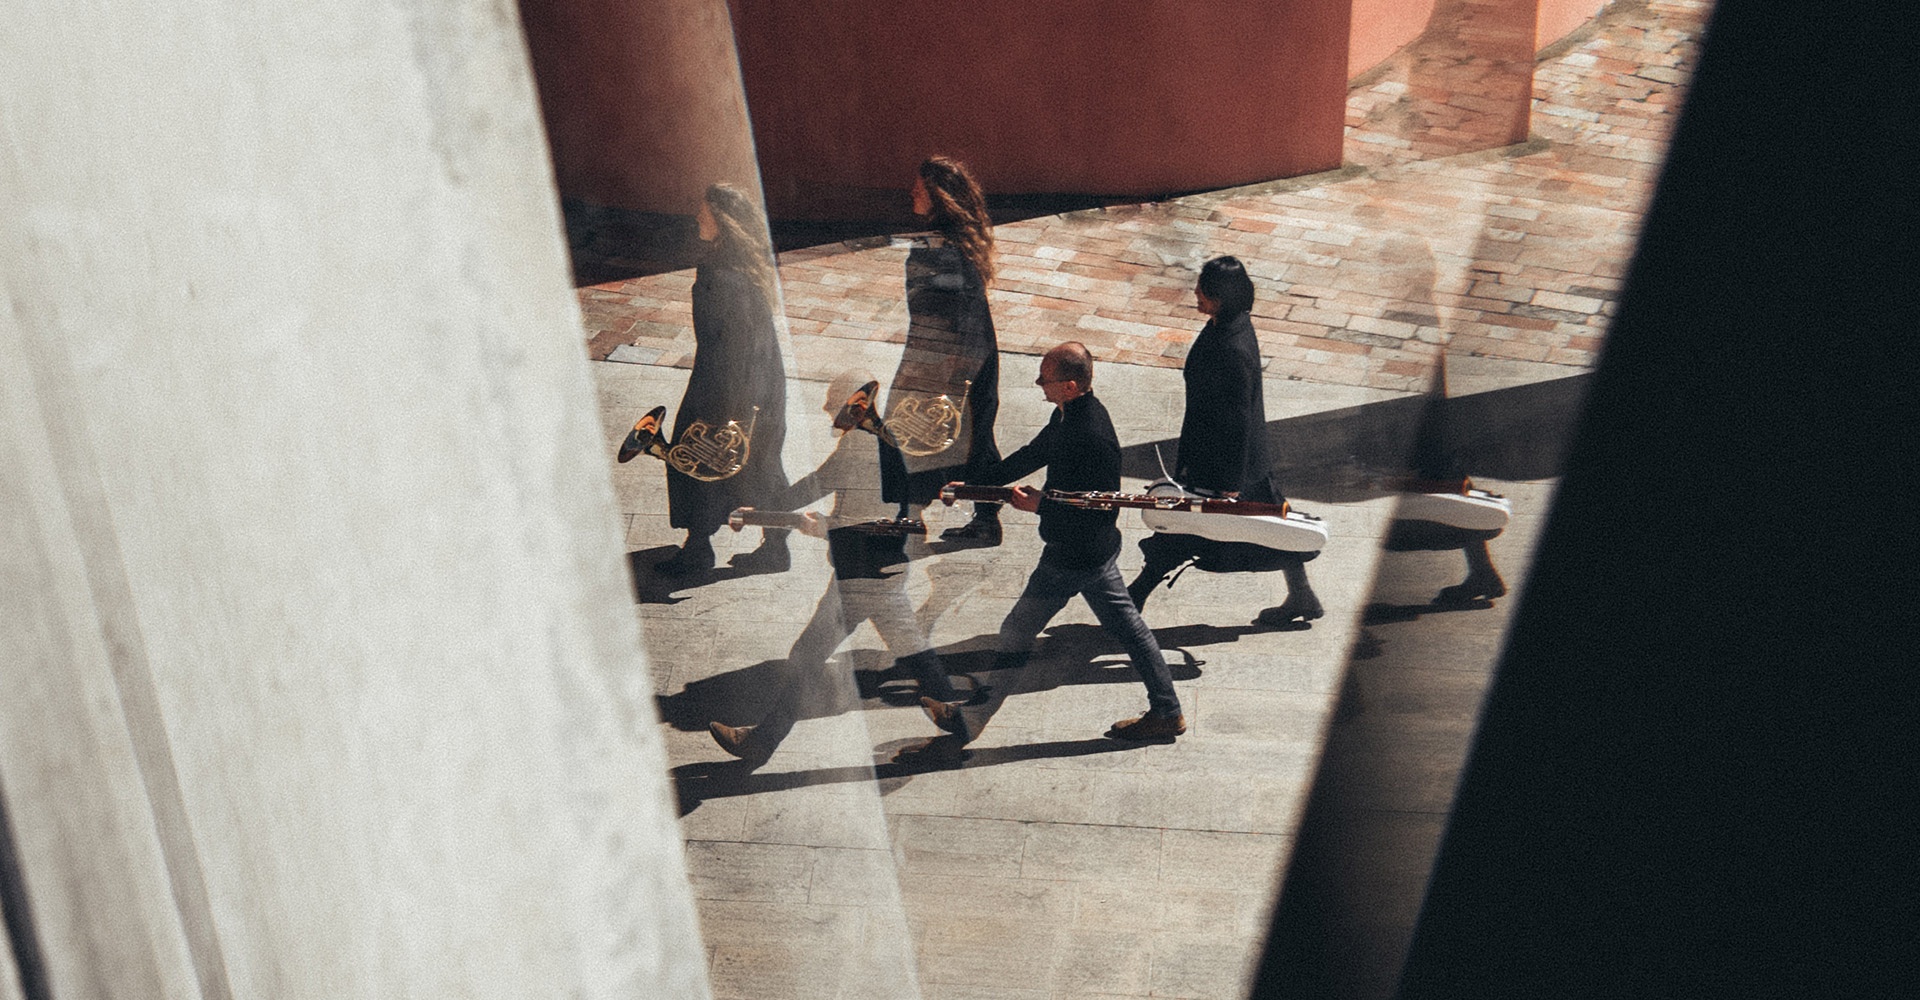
1080, 452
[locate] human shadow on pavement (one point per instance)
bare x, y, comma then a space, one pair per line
1356, 453
1075, 654
651, 587
1072, 654
697, 782
1383, 613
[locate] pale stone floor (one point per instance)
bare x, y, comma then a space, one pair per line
1055, 864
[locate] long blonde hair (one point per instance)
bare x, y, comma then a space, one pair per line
960, 210
743, 240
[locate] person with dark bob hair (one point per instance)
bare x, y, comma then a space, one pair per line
1225, 281
1223, 446
951, 348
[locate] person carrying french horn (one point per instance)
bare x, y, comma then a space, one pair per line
738, 377
942, 402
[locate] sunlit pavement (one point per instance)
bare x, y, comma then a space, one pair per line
1053, 863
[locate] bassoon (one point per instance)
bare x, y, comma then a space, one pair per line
1099, 500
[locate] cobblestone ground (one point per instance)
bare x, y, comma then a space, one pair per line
1362, 273
1056, 865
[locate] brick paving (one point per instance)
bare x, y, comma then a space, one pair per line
1362, 274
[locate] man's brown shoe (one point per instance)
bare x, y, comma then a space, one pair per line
1149, 727
946, 715
732, 739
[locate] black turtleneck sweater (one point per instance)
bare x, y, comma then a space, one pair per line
1080, 452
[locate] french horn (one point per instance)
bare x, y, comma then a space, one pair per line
920, 425
711, 454
646, 437
703, 452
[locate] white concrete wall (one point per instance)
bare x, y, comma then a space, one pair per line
319, 675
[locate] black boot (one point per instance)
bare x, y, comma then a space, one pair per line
982, 531
1161, 560
771, 557
1476, 587
1302, 604
694, 557
925, 668
1483, 581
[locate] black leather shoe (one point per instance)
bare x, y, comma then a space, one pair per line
1471, 590
1290, 611
980, 531
685, 561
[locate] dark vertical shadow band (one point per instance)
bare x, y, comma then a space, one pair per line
1693, 765
21, 940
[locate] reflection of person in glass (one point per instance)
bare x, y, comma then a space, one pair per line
950, 351
736, 368
869, 584
1439, 493
1223, 445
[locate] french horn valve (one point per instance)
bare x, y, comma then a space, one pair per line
711, 454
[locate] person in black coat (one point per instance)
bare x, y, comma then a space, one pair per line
1223, 445
951, 349
736, 368
869, 585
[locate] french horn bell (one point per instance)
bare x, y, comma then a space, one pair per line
920, 426
646, 436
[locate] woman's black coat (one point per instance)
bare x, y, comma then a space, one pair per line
736, 367
950, 343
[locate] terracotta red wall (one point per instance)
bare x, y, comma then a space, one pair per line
642, 101
1381, 27
1558, 18
644, 104
1081, 96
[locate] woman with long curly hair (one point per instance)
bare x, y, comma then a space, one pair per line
736, 368
951, 349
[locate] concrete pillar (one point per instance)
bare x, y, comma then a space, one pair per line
642, 102
318, 669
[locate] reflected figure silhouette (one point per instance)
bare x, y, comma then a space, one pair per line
1442, 510
738, 377
868, 585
